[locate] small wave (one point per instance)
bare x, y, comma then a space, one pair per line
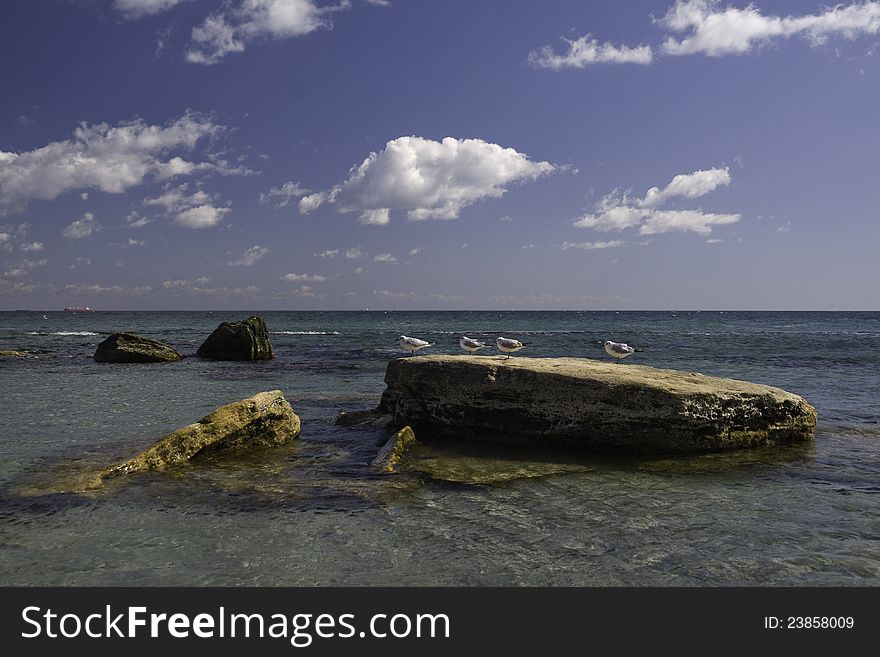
305, 332
63, 333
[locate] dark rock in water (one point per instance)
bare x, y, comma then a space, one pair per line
129, 348
370, 418
264, 420
245, 340
392, 452
591, 404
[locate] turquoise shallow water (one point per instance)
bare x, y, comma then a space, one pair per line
314, 512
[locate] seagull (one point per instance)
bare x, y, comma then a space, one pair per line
508, 346
619, 350
471, 345
412, 345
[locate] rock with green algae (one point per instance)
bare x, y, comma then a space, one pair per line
264, 420
391, 454
244, 340
130, 348
590, 404
12, 354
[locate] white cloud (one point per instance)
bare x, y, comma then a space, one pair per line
303, 278
590, 246
134, 242
354, 253
715, 31
31, 246
250, 256
283, 195
706, 27
180, 284
196, 210
84, 227
668, 221
304, 291
108, 158
80, 262
688, 185
141, 8
24, 267
384, 257
227, 32
328, 253
427, 179
415, 251
616, 211
506, 219
585, 51
612, 213
84, 196
201, 216
135, 220
389, 294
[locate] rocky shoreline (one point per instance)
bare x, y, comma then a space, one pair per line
543, 403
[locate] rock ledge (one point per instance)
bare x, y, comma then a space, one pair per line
588, 403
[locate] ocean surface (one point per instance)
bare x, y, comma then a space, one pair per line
315, 513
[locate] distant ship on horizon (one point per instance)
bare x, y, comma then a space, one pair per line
78, 309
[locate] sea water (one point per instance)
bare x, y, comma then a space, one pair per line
315, 512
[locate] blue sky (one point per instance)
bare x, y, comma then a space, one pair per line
295, 154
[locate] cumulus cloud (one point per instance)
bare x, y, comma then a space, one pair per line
229, 31
134, 242
713, 30
616, 211
354, 253
108, 158
585, 51
196, 210
84, 227
688, 185
384, 257
427, 179
707, 27
250, 256
303, 278
31, 246
328, 253
282, 196
140, 8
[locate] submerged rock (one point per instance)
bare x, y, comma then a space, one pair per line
392, 452
591, 404
130, 348
244, 340
370, 418
264, 420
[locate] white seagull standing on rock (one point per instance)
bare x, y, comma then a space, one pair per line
471, 345
508, 346
412, 345
619, 350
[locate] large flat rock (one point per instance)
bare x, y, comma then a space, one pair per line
590, 404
